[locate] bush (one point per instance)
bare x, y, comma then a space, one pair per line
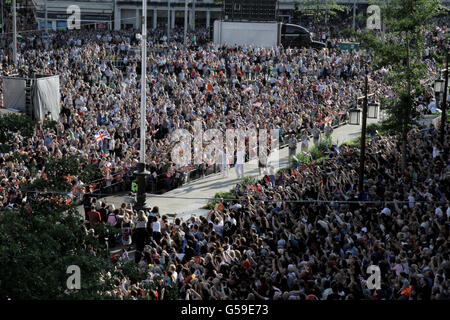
57, 171
322, 158
225, 195
18, 156
356, 143
302, 157
212, 205
322, 145
50, 124
248, 180
131, 270
4, 148
13, 122
282, 170
352, 143
90, 174
316, 153
372, 128
105, 231
382, 128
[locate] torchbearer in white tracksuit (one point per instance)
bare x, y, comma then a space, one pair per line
328, 130
305, 141
240, 154
225, 164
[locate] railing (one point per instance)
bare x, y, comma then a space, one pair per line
162, 183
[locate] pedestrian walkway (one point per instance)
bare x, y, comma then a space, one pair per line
187, 200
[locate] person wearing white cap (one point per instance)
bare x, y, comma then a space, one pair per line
438, 212
386, 211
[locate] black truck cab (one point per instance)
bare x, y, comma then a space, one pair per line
293, 35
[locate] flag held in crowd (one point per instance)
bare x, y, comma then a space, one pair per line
101, 135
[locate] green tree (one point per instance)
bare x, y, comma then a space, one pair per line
41, 238
36, 250
401, 53
15, 123
321, 9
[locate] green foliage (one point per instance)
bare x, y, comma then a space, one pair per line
13, 122
356, 143
37, 249
171, 292
5, 148
50, 124
322, 158
282, 170
17, 156
353, 143
225, 195
372, 128
316, 152
212, 205
379, 128
402, 114
319, 8
322, 146
57, 170
90, 173
131, 270
104, 231
302, 157
42, 238
248, 180
401, 52
67, 165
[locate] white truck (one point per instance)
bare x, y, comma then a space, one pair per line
263, 34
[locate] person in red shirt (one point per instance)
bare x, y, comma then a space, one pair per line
94, 217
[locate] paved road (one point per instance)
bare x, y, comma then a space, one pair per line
192, 195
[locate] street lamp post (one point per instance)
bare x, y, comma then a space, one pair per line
363, 135
141, 172
3, 18
14, 16
444, 103
46, 26
193, 15
107, 245
168, 20
354, 15
185, 20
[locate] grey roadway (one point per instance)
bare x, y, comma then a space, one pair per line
189, 198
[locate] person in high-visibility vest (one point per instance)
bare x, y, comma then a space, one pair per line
134, 186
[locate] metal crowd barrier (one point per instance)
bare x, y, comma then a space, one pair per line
161, 183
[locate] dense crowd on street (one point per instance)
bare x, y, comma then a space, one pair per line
299, 234
265, 245
223, 87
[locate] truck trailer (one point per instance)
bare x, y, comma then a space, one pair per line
263, 34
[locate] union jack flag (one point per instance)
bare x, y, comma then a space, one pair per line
101, 135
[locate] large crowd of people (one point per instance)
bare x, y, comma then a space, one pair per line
306, 234
298, 235
224, 87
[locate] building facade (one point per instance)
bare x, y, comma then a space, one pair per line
125, 14
94, 14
